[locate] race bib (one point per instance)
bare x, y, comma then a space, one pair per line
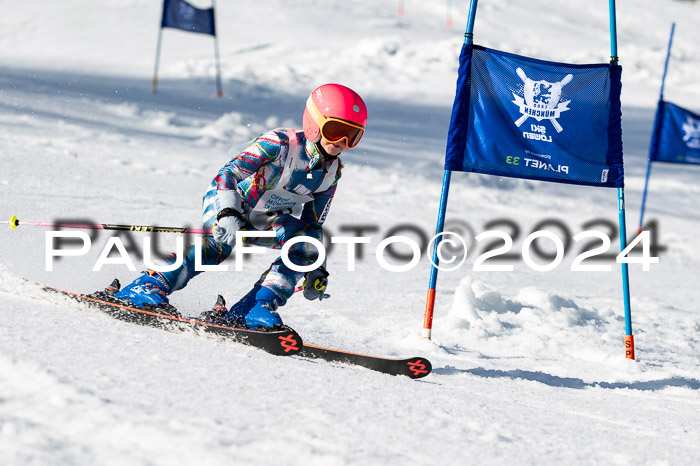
274, 203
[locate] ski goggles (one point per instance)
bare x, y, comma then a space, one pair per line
335, 129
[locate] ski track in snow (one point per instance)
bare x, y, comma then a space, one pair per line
528, 366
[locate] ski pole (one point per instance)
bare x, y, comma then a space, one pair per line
14, 223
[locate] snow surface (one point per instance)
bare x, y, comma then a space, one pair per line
528, 366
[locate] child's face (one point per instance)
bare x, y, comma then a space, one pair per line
333, 148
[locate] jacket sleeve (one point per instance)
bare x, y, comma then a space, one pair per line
265, 149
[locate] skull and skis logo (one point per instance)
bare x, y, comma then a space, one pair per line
691, 128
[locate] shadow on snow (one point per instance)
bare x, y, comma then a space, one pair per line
571, 382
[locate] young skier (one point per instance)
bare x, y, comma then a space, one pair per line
284, 182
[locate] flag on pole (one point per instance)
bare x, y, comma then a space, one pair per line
526, 118
179, 14
676, 137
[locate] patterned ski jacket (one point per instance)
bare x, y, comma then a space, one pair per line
266, 165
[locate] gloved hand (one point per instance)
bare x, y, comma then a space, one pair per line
227, 224
315, 283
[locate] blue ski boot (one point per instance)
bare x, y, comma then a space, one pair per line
256, 309
150, 288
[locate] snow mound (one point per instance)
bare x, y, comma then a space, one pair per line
14, 285
534, 321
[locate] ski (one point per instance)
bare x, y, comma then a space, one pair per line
282, 341
414, 368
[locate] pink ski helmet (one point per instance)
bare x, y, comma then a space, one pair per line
335, 112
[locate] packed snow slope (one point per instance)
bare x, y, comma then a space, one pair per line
529, 366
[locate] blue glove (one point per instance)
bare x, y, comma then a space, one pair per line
315, 283
227, 224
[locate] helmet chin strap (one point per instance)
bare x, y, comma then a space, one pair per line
326, 155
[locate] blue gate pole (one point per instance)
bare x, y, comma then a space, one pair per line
629, 339
219, 89
430, 299
154, 84
657, 127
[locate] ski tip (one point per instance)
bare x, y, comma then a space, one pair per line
14, 222
417, 368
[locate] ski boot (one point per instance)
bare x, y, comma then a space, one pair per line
150, 289
257, 310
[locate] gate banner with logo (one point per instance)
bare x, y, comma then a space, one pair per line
676, 136
179, 14
525, 118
